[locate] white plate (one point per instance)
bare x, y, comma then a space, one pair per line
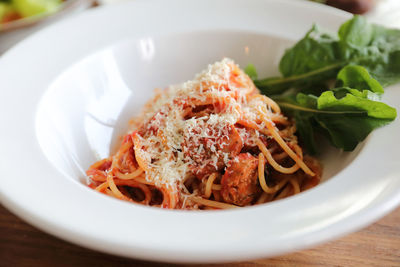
68, 92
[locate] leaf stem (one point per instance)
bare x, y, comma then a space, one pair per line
267, 82
296, 107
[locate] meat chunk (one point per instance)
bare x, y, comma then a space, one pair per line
210, 154
239, 183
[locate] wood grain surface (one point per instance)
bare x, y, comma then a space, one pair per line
24, 245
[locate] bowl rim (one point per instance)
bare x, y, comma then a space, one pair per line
350, 214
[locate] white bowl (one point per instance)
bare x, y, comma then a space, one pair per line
67, 104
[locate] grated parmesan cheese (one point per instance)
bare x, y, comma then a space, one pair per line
165, 132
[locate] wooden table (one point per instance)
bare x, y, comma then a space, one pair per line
23, 245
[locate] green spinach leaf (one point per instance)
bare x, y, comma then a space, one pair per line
319, 57
345, 116
312, 60
251, 71
354, 76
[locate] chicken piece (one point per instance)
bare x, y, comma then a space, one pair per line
209, 154
239, 183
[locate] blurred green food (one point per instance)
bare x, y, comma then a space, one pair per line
5, 8
14, 9
34, 7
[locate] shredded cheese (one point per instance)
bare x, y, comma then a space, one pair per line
173, 145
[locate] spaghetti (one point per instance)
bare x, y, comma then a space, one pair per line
210, 143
